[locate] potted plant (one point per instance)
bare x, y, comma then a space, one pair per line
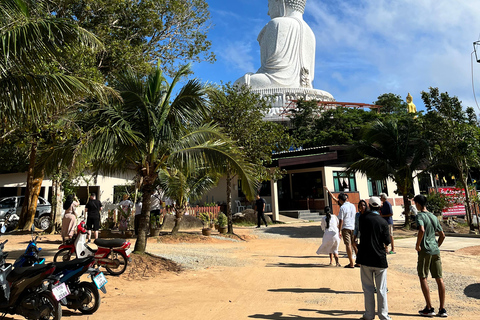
222, 223
205, 217
154, 225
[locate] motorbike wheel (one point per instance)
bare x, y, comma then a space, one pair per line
117, 258
54, 308
63, 255
92, 303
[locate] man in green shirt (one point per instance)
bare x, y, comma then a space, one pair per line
429, 255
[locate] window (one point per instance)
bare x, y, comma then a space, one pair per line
344, 182
375, 187
307, 185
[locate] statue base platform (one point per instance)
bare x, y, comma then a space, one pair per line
282, 99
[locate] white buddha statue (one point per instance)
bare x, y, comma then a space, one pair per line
287, 47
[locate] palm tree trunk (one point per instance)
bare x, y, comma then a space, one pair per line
147, 189
229, 201
467, 200
179, 212
34, 185
406, 205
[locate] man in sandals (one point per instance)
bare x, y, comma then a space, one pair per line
429, 256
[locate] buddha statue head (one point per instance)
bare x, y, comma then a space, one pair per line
283, 8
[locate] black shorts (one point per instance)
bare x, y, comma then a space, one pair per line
93, 223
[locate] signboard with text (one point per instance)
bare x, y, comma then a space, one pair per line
454, 196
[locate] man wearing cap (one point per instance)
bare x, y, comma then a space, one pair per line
347, 225
374, 236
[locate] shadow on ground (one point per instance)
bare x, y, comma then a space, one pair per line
301, 232
472, 291
313, 290
296, 265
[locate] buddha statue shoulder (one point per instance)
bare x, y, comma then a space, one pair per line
287, 48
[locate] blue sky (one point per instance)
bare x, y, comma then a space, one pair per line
364, 48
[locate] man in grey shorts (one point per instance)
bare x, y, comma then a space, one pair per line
347, 225
429, 256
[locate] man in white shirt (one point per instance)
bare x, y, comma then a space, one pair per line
347, 225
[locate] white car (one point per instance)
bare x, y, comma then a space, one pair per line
11, 206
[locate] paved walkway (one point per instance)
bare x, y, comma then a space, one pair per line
450, 243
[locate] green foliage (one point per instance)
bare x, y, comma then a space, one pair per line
222, 219
315, 126
240, 112
155, 221
206, 217
391, 104
437, 202
135, 33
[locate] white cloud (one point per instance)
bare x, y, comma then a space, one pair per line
394, 46
238, 54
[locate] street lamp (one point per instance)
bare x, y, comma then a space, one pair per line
476, 45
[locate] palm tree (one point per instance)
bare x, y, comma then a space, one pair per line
393, 149
32, 95
150, 132
185, 186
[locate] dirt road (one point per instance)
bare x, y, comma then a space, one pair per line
275, 276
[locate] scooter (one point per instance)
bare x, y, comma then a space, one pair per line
22, 291
76, 295
112, 254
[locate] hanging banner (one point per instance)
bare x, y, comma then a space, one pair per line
456, 197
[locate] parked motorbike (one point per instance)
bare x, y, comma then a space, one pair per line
22, 290
112, 254
82, 296
31, 255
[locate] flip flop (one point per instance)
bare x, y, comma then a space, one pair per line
349, 267
392, 252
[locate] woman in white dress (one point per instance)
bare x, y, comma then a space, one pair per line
331, 240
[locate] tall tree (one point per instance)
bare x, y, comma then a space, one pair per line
315, 126
395, 149
240, 113
137, 33
153, 130
34, 86
391, 103
454, 134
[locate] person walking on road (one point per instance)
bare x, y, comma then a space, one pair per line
386, 212
372, 258
260, 207
346, 219
429, 260
330, 240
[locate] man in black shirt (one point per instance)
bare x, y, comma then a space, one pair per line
260, 205
374, 236
93, 208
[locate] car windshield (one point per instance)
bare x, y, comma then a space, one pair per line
7, 203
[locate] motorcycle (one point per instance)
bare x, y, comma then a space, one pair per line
22, 290
31, 255
82, 295
76, 295
112, 254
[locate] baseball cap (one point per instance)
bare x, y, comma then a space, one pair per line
374, 202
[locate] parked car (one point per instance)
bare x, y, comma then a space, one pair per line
13, 206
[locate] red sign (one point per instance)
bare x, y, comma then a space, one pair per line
455, 197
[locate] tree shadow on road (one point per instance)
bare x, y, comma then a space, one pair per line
297, 265
472, 291
313, 290
300, 232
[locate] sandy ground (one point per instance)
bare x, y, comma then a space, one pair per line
275, 278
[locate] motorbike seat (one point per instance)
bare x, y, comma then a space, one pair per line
25, 272
109, 243
72, 264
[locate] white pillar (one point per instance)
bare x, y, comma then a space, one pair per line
274, 191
